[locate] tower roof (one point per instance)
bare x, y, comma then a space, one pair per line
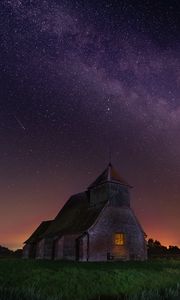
109, 175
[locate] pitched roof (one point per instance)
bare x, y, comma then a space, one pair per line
38, 232
75, 217
109, 175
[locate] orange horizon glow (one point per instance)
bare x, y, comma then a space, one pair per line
16, 242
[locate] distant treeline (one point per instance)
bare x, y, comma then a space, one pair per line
156, 250
5, 252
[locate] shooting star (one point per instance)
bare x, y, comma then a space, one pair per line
20, 123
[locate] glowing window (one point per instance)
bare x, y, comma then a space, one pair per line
119, 239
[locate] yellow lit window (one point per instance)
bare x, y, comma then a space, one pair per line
119, 239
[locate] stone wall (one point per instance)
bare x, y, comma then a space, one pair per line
82, 247
118, 195
40, 249
115, 193
72, 247
59, 245
113, 220
27, 251
44, 249
69, 247
48, 248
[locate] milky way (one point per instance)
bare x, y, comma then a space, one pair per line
84, 77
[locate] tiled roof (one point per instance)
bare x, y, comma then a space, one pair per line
75, 217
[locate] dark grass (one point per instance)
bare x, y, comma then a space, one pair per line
49, 280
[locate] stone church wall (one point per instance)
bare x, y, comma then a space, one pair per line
113, 220
59, 245
69, 249
44, 249
29, 251
40, 249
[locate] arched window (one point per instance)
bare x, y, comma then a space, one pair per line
119, 239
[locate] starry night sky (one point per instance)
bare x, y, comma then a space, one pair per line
78, 78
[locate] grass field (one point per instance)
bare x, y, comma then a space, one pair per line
48, 280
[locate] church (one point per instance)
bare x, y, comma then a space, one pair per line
95, 225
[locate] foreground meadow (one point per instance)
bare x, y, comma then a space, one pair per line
48, 280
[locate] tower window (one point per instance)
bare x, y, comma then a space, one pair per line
119, 239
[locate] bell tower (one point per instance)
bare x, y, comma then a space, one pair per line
109, 187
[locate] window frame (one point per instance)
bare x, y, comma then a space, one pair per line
119, 241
